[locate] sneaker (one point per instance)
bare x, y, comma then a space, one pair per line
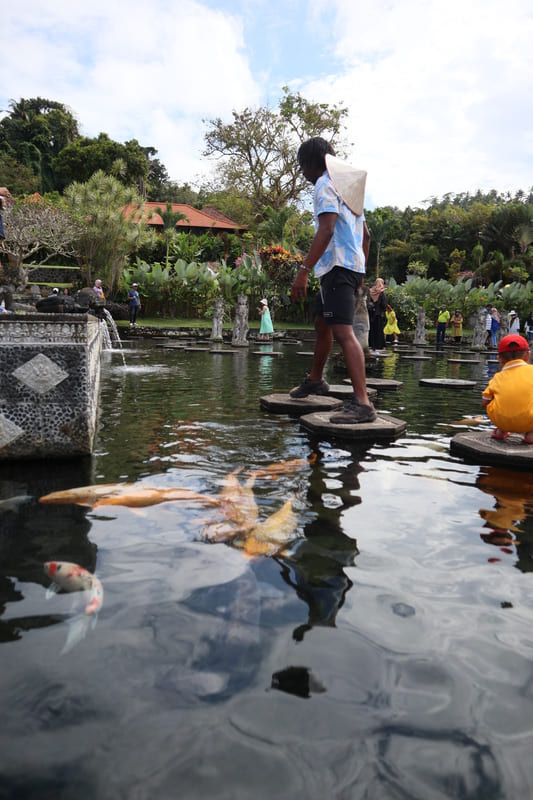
354, 413
310, 387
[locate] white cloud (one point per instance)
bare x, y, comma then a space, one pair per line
129, 68
437, 95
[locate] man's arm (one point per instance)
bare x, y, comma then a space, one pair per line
326, 226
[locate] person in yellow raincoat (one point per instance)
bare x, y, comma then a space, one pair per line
391, 326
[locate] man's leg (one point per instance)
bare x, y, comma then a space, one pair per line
354, 359
323, 344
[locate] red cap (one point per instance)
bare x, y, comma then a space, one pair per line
512, 342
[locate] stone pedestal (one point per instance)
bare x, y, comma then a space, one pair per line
218, 318
50, 382
240, 325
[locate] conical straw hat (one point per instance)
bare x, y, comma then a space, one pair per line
349, 183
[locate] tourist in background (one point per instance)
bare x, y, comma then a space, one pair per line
134, 302
97, 288
495, 326
266, 328
528, 327
513, 322
377, 304
457, 326
391, 326
442, 323
488, 323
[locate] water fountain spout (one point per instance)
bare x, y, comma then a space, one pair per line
113, 337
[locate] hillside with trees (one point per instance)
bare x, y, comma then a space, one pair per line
478, 237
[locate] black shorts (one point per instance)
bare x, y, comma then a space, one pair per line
335, 301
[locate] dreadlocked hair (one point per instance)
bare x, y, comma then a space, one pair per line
313, 152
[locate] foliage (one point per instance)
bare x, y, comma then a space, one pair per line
34, 227
34, 133
256, 152
20, 179
81, 159
109, 237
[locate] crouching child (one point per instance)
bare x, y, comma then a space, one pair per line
508, 397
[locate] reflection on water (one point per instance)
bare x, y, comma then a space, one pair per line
386, 653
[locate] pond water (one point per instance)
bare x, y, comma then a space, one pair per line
388, 653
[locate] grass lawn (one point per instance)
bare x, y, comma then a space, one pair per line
178, 322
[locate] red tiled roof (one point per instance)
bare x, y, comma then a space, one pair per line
194, 217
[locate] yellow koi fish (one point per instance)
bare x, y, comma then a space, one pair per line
270, 537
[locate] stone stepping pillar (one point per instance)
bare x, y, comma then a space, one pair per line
479, 448
384, 427
447, 383
463, 361
379, 383
285, 404
344, 391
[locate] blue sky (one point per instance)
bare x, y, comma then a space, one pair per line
439, 94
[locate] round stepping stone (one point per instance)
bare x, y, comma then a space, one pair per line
285, 404
197, 349
225, 352
463, 361
416, 358
291, 341
275, 353
344, 391
377, 384
480, 448
382, 383
382, 428
305, 353
447, 383
379, 354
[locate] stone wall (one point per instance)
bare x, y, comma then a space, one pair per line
50, 383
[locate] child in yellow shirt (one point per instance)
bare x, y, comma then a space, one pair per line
508, 397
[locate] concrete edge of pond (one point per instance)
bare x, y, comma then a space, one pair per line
382, 427
479, 448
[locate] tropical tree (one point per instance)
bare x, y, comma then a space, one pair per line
34, 133
170, 220
256, 152
81, 159
110, 235
36, 230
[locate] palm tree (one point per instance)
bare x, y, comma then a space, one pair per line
170, 220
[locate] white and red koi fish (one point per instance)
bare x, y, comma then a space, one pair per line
71, 577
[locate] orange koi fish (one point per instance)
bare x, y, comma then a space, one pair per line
146, 496
85, 495
284, 467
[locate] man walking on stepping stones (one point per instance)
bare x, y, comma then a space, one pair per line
338, 254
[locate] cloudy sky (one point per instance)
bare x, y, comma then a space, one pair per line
439, 91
